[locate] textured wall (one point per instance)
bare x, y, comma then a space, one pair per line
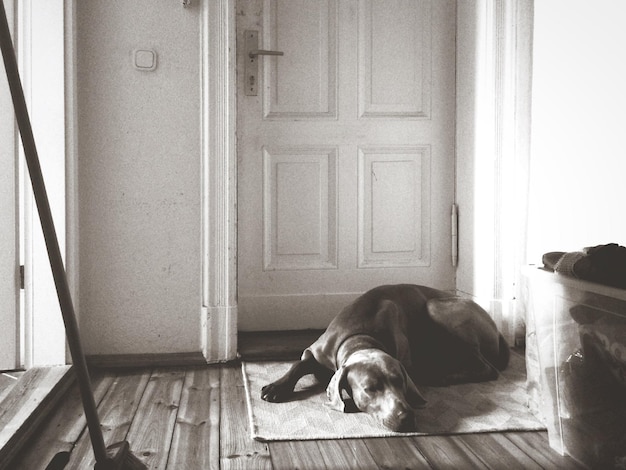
139, 177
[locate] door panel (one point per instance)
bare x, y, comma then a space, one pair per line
303, 84
345, 156
394, 58
394, 192
302, 235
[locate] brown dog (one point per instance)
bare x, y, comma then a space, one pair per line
391, 336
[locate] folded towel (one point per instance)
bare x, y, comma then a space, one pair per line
604, 264
565, 264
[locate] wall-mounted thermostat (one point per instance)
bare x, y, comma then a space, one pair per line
144, 59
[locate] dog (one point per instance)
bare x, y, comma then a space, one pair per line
377, 348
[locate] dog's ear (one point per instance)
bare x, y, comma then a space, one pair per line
413, 395
339, 393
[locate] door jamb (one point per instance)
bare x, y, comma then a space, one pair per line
219, 181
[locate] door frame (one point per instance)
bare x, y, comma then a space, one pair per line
46, 29
42, 32
219, 163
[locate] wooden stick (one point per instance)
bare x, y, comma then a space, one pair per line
52, 244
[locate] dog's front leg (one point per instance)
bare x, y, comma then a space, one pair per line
282, 389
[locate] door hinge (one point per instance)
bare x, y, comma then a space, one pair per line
454, 234
22, 277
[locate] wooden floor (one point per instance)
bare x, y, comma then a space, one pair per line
196, 418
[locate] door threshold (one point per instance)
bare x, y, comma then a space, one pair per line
283, 345
26, 406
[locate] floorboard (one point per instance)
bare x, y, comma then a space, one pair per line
196, 440
153, 427
396, 453
238, 449
444, 452
536, 445
495, 447
291, 455
340, 454
347, 453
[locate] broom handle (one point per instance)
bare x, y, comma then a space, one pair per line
52, 244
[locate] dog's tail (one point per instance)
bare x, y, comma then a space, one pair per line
504, 353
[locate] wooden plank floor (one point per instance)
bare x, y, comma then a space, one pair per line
196, 418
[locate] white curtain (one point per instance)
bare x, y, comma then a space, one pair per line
499, 153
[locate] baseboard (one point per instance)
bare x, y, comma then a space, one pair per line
27, 405
106, 361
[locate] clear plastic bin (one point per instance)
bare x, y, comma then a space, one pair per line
576, 364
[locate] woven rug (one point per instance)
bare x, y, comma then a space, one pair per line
495, 406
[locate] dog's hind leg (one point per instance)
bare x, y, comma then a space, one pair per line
469, 322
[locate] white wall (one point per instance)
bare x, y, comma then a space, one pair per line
139, 171
579, 97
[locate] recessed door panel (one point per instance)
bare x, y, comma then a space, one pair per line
302, 82
394, 207
394, 58
300, 208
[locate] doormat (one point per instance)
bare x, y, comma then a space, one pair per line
496, 406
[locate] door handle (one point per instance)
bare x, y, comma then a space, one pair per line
257, 52
251, 71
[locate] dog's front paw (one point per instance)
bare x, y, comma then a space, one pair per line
276, 392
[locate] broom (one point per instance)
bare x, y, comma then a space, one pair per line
118, 456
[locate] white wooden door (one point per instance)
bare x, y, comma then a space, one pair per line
345, 154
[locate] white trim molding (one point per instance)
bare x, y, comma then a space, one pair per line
72, 224
219, 174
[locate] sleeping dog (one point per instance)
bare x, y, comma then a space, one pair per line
377, 348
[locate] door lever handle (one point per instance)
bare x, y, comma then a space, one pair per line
251, 69
257, 52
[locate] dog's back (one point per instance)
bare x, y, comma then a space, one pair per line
445, 333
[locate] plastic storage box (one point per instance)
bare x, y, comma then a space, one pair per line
576, 365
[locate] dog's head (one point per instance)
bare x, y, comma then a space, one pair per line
376, 383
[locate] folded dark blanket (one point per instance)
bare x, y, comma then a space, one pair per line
604, 264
